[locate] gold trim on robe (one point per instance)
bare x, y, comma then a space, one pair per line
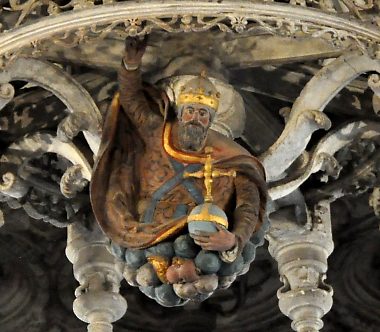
176, 154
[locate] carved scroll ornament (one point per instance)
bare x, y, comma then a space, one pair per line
88, 22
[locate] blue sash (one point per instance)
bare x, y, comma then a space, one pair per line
177, 179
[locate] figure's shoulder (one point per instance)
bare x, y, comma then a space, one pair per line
228, 152
225, 147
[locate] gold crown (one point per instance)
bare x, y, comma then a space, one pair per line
199, 90
198, 98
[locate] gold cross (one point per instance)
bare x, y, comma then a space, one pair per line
209, 174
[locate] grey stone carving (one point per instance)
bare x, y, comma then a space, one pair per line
45, 173
306, 115
98, 301
301, 253
83, 115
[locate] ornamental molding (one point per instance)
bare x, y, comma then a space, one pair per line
36, 144
89, 23
322, 158
306, 115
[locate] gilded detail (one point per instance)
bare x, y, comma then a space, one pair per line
160, 265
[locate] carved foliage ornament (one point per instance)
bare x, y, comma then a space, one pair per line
34, 180
54, 7
94, 22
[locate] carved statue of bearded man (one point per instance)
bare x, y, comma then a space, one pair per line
139, 193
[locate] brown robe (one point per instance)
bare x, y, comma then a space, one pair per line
132, 164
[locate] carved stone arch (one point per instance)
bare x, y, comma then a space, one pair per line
323, 155
306, 115
84, 114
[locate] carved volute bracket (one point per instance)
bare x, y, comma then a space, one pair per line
306, 115
322, 158
13, 186
84, 115
73, 181
7, 92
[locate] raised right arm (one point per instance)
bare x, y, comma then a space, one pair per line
132, 97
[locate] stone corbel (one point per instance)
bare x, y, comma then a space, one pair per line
98, 301
301, 253
306, 115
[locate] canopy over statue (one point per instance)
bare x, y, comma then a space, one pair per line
161, 172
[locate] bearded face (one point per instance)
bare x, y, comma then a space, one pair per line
194, 122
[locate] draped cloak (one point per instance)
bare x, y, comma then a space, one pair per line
116, 167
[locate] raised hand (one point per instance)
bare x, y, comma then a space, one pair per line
221, 240
134, 51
